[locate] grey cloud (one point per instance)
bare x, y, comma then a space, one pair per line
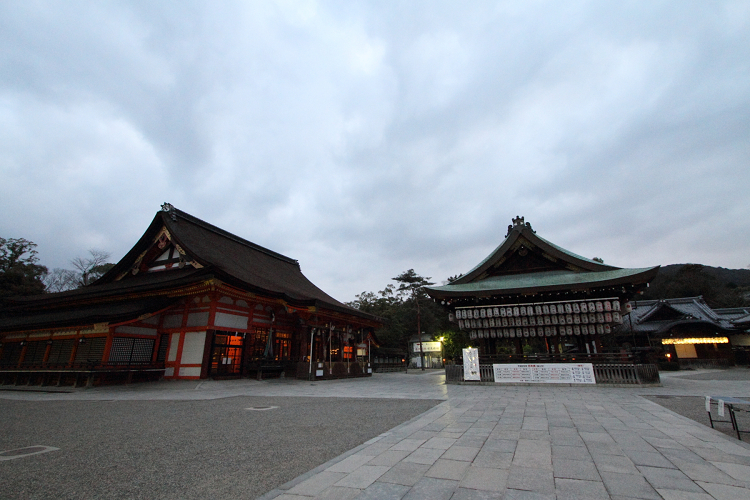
366, 138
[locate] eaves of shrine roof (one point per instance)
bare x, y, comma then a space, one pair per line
737, 315
86, 314
549, 281
110, 302
147, 284
743, 322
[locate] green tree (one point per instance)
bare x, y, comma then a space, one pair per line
454, 340
692, 280
20, 273
406, 310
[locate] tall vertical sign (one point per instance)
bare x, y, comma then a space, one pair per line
471, 364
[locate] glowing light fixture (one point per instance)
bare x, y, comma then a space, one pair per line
707, 340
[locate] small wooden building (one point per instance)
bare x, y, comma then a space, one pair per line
531, 296
188, 301
685, 330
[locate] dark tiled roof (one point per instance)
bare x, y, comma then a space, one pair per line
86, 314
737, 315
246, 264
221, 254
659, 316
104, 291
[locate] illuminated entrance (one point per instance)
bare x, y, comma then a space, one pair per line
226, 354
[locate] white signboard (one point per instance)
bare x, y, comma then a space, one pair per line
426, 346
471, 364
545, 373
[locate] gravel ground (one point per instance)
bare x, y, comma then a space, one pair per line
183, 449
737, 373
694, 407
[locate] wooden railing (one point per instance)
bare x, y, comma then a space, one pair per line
78, 374
388, 367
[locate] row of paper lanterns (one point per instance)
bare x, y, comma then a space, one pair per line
545, 309
541, 331
562, 319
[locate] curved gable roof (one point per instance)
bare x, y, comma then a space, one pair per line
526, 262
521, 239
233, 259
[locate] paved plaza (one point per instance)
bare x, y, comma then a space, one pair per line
479, 442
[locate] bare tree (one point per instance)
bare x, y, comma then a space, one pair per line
60, 280
91, 268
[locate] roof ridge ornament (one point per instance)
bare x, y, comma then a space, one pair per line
518, 221
168, 208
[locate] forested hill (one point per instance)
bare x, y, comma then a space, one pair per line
720, 287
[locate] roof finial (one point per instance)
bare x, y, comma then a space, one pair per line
519, 222
167, 207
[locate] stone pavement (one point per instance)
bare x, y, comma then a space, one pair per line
528, 442
520, 442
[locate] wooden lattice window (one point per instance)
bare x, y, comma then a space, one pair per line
11, 354
163, 347
126, 351
35, 352
90, 350
59, 352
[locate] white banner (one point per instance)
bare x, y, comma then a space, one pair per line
471, 364
545, 373
426, 346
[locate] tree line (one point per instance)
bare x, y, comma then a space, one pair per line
407, 311
404, 306
21, 273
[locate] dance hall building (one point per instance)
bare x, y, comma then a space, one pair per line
188, 301
530, 292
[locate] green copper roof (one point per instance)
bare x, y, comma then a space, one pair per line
544, 281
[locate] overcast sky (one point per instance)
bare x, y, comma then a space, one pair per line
367, 138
